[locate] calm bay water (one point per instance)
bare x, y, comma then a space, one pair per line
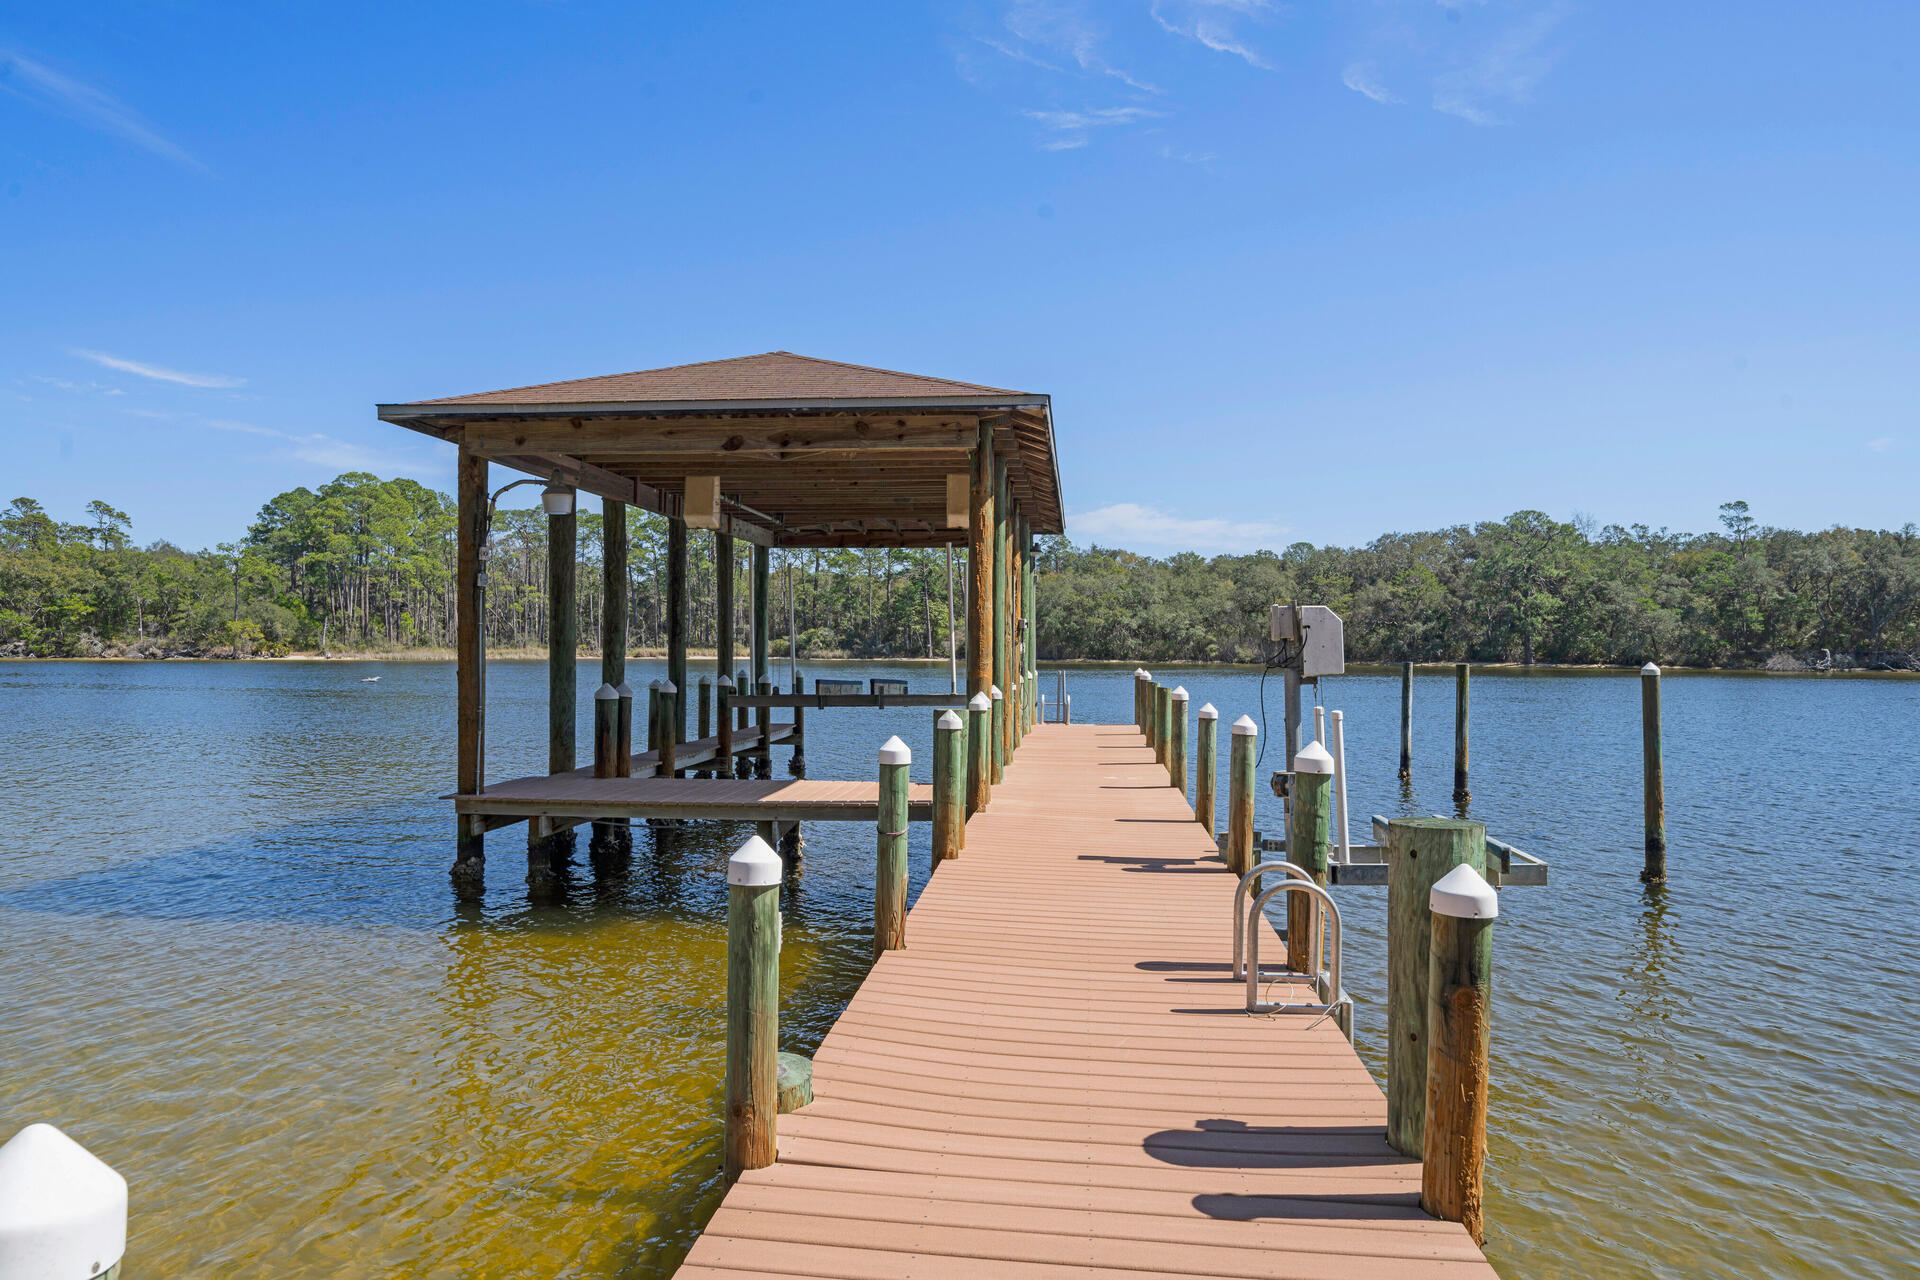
235, 970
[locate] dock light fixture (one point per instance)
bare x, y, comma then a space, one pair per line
557, 499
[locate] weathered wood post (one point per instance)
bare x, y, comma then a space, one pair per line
606, 730
469, 592
1307, 849
1139, 699
548, 846
1240, 851
1002, 618
743, 686
724, 567
1162, 723
623, 749
654, 720
980, 615
705, 708
979, 752
1459, 1035
997, 726
1653, 787
1460, 793
890, 873
669, 728
762, 612
949, 786
1205, 765
753, 1007
763, 718
1177, 740
1419, 852
1406, 722
723, 749
676, 706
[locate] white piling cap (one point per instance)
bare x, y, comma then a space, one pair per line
1244, 727
1179, 695
726, 682
948, 720
1313, 758
624, 689
667, 686
1464, 894
1208, 713
997, 695
706, 679
605, 693
979, 702
1650, 670
655, 685
754, 864
894, 751
63, 1210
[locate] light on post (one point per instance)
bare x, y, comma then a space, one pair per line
557, 499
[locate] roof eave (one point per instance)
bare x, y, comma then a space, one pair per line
398, 413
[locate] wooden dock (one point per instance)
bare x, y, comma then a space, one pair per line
1057, 1077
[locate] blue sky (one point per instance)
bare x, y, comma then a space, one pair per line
1290, 271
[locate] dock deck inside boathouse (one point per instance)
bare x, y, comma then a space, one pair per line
1056, 1076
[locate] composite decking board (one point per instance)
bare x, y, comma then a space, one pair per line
1057, 1078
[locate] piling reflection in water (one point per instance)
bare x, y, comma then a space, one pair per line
236, 970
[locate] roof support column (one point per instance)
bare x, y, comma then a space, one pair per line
468, 592
723, 570
548, 851
677, 625
979, 596
762, 573
1003, 619
613, 836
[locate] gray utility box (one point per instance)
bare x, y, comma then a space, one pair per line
1321, 635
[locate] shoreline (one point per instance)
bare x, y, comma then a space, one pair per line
1069, 664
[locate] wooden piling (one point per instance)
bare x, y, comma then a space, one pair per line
724, 566
1177, 740
669, 729
763, 717
1406, 722
606, 731
706, 707
623, 745
980, 615
1307, 849
979, 752
1002, 619
1205, 764
996, 725
1460, 792
1653, 787
470, 858
949, 786
1140, 700
676, 707
798, 765
653, 717
762, 614
1459, 1000
1162, 722
743, 685
1419, 852
1241, 855
753, 1008
563, 642
890, 872
723, 751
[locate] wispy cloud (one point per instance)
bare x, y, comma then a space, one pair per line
159, 374
1213, 24
1881, 445
1142, 528
1187, 157
1360, 78
1067, 29
44, 87
315, 447
1071, 129
1503, 73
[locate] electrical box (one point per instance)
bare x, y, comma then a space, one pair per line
1320, 635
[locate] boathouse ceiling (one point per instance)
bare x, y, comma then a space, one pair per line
808, 453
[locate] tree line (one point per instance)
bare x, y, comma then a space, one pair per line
363, 563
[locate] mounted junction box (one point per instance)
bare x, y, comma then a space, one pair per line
1321, 635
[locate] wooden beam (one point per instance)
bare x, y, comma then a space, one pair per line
677, 625
722, 436
470, 532
562, 641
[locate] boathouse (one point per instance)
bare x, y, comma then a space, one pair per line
773, 450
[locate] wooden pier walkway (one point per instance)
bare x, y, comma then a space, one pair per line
1057, 1077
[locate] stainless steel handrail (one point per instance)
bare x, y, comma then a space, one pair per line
1240, 895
